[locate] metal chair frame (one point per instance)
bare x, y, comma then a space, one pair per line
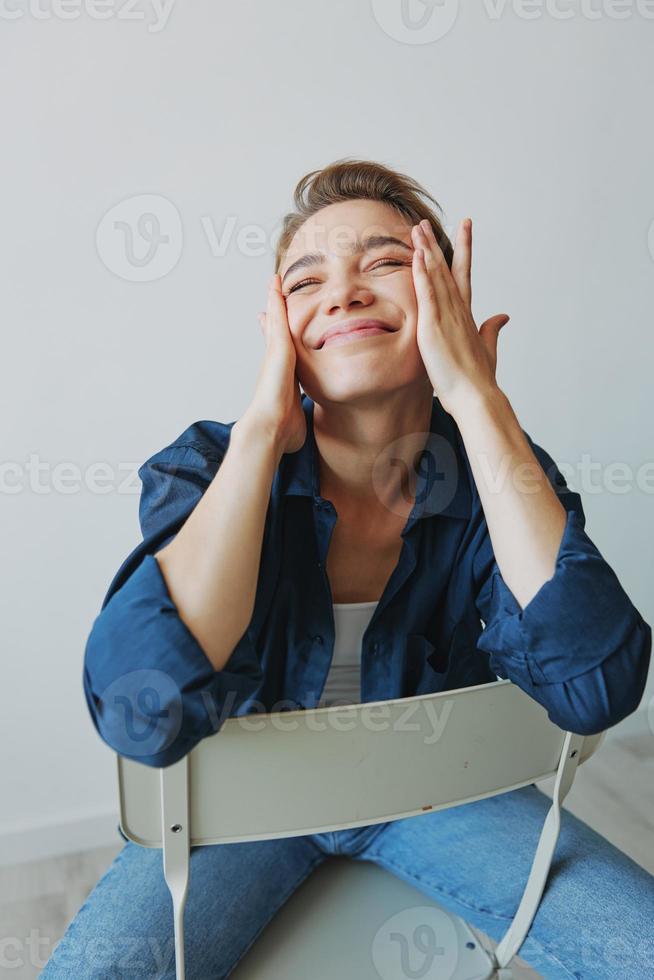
311, 771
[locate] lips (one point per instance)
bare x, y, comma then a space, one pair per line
349, 326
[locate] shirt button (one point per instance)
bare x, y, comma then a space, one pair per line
375, 647
317, 638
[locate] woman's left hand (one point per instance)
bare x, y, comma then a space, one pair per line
460, 359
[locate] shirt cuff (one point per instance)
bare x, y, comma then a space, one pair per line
152, 691
577, 620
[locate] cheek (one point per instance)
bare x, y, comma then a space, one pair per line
403, 294
408, 304
296, 325
298, 316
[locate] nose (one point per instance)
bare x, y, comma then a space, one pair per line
344, 294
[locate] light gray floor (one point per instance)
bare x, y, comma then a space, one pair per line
613, 792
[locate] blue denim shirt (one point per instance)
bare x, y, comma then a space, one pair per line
445, 620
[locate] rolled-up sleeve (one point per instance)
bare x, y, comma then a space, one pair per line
152, 692
579, 647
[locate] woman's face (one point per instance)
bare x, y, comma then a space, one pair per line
338, 282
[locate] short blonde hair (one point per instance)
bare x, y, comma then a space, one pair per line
347, 180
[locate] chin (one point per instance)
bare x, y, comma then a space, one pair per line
345, 387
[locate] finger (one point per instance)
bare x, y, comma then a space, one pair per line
448, 277
494, 323
490, 330
436, 266
442, 266
276, 308
462, 261
276, 300
423, 284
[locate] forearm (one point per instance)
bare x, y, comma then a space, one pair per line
211, 566
525, 518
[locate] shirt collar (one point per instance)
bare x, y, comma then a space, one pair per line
299, 474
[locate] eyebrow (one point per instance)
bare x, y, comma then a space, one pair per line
372, 241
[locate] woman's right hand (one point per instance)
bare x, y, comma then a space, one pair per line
277, 403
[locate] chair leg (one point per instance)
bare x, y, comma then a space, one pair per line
515, 935
176, 848
499, 973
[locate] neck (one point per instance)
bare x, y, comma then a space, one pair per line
367, 448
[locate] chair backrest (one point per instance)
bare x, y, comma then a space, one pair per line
310, 771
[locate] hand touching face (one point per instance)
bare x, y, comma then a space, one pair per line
460, 359
352, 262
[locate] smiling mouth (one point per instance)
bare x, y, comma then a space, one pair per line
360, 333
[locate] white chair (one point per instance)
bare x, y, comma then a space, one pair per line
325, 769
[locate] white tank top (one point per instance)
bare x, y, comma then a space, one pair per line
343, 684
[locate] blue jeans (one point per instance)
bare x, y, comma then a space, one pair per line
595, 920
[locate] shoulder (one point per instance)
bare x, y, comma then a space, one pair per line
174, 477
203, 442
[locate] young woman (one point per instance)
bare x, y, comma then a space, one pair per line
348, 543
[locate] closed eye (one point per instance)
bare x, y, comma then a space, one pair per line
305, 282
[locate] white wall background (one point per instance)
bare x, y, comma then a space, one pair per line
537, 126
